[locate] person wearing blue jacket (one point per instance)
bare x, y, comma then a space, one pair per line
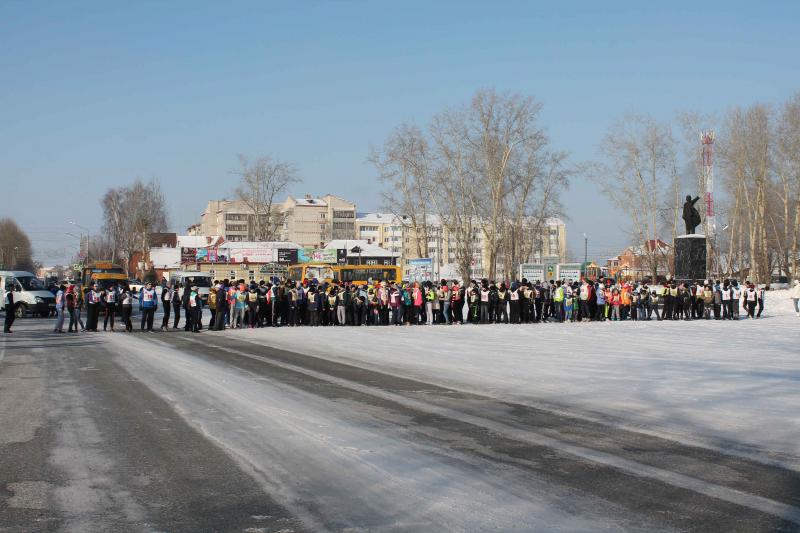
148, 303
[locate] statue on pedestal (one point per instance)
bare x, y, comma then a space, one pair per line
691, 216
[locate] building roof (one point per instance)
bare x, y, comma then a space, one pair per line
433, 220
198, 241
367, 249
307, 201
262, 245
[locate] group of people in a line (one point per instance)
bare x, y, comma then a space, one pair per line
120, 300
239, 304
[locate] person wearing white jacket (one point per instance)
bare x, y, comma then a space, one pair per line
794, 294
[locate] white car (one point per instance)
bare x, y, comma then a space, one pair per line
31, 295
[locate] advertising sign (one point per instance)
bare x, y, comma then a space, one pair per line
569, 271
209, 255
188, 255
420, 269
314, 255
251, 255
532, 272
287, 255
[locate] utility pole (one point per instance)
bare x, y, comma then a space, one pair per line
87, 237
585, 248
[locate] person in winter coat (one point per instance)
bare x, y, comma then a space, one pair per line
126, 301
60, 304
148, 303
166, 304
750, 300
761, 296
195, 309
794, 294
10, 307
176, 304
92, 307
110, 301
221, 305
485, 303
616, 303
187, 312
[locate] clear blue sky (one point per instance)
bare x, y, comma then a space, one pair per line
94, 94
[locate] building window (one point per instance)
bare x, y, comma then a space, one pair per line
344, 214
322, 216
322, 227
252, 274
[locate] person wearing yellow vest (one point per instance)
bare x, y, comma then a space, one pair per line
558, 301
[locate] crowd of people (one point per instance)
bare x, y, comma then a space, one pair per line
275, 303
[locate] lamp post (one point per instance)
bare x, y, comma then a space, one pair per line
585, 248
87, 237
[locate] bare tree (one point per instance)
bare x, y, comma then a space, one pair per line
15, 247
483, 167
787, 168
130, 215
405, 165
453, 201
639, 164
263, 181
745, 153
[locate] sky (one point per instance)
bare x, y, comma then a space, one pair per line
96, 94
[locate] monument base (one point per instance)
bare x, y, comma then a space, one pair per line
690, 257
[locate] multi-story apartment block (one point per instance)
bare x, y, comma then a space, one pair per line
308, 221
311, 222
397, 235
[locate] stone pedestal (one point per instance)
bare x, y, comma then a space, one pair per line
690, 257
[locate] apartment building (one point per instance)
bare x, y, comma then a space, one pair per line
308, 221
311, 222
398, 236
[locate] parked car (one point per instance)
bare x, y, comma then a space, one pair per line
31, 297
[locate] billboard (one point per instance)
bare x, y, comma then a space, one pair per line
287, 255
315, 255
532, 272
252, 255
569, 271
420, 269
188, 255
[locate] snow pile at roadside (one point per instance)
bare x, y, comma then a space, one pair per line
713, 383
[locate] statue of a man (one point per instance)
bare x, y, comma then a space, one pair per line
691, 216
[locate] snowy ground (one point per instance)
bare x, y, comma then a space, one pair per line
727, 385
557, 427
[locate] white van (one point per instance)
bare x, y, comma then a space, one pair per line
31, 296
188, 279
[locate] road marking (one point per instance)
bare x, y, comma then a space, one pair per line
736, 497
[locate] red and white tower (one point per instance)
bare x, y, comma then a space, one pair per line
710, 225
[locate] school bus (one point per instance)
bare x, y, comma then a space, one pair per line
355, 274
104, 274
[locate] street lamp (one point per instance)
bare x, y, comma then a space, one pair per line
585, 248
87, 237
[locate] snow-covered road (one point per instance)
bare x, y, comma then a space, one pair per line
575, 427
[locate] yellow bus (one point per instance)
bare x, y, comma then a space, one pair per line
355, 274
104, 274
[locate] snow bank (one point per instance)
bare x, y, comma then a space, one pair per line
722, 384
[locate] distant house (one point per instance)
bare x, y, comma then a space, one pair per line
635, 261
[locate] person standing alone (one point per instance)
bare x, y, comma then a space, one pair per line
8, 299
